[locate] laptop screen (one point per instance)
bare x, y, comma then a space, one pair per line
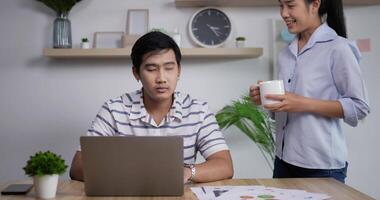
132, 166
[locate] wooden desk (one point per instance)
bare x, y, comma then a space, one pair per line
68, 189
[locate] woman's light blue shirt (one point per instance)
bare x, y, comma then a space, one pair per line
327, 68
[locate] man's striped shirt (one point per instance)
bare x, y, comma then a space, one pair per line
189, 118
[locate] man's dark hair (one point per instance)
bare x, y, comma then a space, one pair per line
153, 42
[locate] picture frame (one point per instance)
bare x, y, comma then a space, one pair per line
108, 40
137, 21
278, 43
129, 40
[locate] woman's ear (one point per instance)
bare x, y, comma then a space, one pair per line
315, 6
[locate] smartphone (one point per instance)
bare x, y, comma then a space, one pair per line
17, 189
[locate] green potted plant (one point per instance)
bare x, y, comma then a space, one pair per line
62, 25
253, 121
240, 41
45, 168
162, 30
85, 44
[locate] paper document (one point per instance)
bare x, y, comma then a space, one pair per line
253, 192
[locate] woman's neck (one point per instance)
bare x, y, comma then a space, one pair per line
305, 35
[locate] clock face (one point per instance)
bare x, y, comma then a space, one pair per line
210, 27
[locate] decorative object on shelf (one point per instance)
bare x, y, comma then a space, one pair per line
177, 37
240, 42
287, 36
162, 30
62, 24
85, 44
225, 53
108, 39
210, 27
62, 32
129, 40
252, 121
137, 21
248, 3
45, 167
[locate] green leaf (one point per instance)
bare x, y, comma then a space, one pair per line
45, 163
60, 6
253, 122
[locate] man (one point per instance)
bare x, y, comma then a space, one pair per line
158, 110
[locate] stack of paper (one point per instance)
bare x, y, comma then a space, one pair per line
254, 192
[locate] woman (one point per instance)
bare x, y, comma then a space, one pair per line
323, 80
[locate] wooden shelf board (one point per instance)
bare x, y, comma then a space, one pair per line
125, 53
200, 3
222, 52
87, 53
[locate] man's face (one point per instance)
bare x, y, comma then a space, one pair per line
159, 73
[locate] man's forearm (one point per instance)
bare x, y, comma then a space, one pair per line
217, 167
76, 170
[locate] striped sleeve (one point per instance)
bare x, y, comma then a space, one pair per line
210, 139
104, 123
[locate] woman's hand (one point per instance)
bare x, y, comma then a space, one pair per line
288, 103
295, 103
254, 93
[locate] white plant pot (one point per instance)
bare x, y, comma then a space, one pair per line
85, 45
46, 186
240, 44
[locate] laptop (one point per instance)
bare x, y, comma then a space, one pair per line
132, 165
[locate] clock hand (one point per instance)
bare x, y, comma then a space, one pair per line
215, 30
212, 27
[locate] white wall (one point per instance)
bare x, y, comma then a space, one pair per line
47, 104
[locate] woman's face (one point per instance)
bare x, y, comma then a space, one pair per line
298, 15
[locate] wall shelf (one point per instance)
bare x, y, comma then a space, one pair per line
200, 3
125, 52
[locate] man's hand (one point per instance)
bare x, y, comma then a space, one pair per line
76, 170
186, 174
217, 167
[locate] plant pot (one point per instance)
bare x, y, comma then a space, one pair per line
85, 45
46, 186
240, 43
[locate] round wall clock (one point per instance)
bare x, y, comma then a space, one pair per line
210, 27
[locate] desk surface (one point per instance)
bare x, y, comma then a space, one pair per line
68, 189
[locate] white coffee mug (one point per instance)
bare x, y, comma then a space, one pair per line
271, 87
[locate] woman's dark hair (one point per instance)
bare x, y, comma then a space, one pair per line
335, 15
154, 41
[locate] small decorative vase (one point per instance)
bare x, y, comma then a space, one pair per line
46, 186
62, 31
